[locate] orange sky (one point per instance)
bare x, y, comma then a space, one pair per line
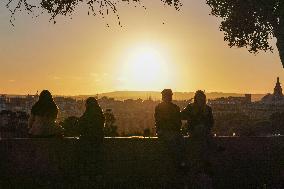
83, 56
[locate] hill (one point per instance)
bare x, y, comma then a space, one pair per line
155, 95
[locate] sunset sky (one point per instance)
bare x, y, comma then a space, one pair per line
154, 49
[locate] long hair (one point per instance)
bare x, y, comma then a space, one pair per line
200, 99
91, 123
45, 106
92, 106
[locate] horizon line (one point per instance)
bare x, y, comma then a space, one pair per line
138, 91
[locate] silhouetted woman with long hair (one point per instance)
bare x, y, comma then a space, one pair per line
200, 122
91, 127
199, 116
91, 123
42, 121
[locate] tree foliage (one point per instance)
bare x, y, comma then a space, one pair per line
70, 126
67, 7
251, 23
110, 129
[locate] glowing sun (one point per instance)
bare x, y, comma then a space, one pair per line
145, 69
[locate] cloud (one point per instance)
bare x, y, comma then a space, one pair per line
11, 80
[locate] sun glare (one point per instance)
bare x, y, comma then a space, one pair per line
145, 66
146, 69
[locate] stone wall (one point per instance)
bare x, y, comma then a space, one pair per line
246, 162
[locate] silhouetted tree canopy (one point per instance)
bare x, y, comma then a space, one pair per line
67, 7
110, 129
70, 126
251, 23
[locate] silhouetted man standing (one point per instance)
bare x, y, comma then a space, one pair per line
168, 126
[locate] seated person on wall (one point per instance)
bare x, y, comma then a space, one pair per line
91, 123
42, 122
200, 121
167, 116
199, 117
91, 128
168, 126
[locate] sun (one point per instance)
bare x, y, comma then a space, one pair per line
146, 68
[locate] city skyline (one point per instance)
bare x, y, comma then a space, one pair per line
96, 55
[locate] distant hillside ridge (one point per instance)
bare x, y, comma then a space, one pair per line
155, 95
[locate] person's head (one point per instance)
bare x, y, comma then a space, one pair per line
91, 102
45, 106
167, 95
45, 96
200, 98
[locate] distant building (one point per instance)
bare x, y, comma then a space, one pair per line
3, 100
13, 124
231, 100
17, 103
277, 97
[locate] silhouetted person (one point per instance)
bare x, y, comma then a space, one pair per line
200, 121
43, 116
168, 126
91, 127
199, 116
91, 123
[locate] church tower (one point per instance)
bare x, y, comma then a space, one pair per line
278, 89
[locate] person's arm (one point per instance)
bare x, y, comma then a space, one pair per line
179, 117
55, 114
80, 126
103, 119
184, 113
157, 119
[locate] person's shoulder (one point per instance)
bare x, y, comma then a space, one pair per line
175, 106
189, 106
158, 106
35, 108
82, 118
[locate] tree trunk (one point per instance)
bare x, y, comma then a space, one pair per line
280, 35
280, 46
